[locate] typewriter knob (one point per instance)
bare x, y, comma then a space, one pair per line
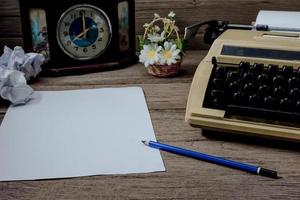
214, 60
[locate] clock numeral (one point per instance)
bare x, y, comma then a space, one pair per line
76, 48
85, 50
67, 24
66, 33
100, 39
81, 13
94, 46
101, 30
73, 16
68, 43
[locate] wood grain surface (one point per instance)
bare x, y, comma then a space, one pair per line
188, 12
185, 178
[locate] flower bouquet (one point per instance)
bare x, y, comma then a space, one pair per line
161, 49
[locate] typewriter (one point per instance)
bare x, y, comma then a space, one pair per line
249, 83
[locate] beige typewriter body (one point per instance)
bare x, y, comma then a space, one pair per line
214, 119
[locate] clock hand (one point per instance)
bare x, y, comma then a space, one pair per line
83, 24
81, 34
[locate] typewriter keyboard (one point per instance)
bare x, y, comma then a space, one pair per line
255, 92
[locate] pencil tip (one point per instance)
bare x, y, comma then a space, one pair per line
143, 141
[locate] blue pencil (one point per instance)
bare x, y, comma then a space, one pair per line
213, 159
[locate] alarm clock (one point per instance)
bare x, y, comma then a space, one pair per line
79, 36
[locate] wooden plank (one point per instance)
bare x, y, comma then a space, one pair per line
10, 27
188, 11
10, 42
9, 8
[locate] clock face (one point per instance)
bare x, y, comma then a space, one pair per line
83, 32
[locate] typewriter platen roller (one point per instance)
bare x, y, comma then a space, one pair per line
249, 83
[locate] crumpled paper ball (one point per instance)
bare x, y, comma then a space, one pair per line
16, 67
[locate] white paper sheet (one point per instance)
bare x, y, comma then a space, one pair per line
78, 133
279, 20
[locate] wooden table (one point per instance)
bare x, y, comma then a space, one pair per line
185, 178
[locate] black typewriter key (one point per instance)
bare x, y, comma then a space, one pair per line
287, 71
285, 104
297, 107
278, 81
263, 90
258, 68
247, 77
262, 79
278, 92
272, 70
234, 87
232, 76
218, 102
237, 98
269, 102
244, 67
218, 83
293, 83
295, 94
248, 89
216, 93
253, 101
220, 72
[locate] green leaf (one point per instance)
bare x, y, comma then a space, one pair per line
179, 43
141, 42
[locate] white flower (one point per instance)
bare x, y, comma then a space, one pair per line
156, 37
156, 15
170, 54
150, 54
156, 28
171, 14
146, 25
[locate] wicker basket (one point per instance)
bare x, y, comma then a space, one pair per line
163, 71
